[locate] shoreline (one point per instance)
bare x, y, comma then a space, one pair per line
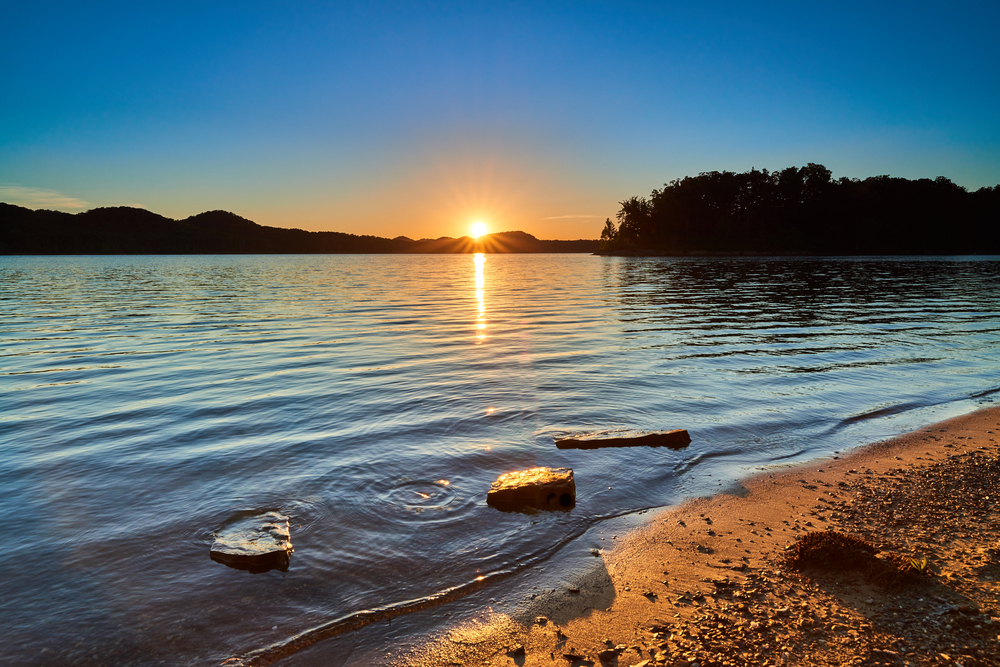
705, 582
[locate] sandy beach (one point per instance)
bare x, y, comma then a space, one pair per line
710, 583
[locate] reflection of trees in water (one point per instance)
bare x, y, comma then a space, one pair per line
805, 292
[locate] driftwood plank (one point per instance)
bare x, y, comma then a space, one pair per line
676, 439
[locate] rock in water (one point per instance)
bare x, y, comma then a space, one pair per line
676, 439
257, 543
537, 488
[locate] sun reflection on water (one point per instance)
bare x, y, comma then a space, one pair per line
480, 260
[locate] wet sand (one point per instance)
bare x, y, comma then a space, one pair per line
708, 582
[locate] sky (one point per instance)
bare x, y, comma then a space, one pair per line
420, 118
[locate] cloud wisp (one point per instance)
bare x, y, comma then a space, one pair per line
39, 198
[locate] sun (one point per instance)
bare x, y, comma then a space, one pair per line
478, 229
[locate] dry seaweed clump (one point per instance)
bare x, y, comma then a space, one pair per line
830, 550
833, 551
897, 571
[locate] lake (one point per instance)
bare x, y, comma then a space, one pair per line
149, 402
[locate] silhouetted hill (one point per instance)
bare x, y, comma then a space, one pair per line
134, 231
805, 211
518, 242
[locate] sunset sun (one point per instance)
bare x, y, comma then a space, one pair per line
478, 229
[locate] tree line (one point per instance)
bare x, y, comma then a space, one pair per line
806, 211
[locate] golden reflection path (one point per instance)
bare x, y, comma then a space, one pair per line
480, 260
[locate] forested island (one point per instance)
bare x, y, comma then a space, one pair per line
126, 230
805, 211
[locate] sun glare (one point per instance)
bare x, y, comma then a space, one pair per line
478, 229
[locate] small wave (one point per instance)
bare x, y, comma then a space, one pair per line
684, 466
50, 384
59, 370
867, 363
881, 412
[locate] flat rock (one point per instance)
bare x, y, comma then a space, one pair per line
676, 439
257, 543
537, 488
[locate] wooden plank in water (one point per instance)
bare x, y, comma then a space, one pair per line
676, 439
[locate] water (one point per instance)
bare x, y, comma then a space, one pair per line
148, 401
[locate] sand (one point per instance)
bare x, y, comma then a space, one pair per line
709, 582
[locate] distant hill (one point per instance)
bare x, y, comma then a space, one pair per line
125, 230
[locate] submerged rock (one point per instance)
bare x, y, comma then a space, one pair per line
537, 488
676, 439
258, 543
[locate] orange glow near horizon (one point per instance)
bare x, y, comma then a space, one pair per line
442, 196
433, 195
478, 229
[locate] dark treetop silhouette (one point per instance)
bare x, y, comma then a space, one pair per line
134, 231
804, 211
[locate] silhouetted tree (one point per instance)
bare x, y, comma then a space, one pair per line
608, 236
633, 221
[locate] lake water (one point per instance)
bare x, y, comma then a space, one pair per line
149, 401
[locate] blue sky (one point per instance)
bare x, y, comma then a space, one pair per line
418, 118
